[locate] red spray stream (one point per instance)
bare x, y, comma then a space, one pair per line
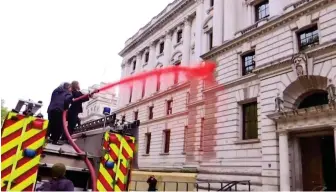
203, 70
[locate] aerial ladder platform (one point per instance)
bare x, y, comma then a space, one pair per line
109, 144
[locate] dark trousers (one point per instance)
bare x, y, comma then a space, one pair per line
72, 121
55, 128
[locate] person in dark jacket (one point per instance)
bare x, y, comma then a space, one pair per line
61, 98
151, 183
76, 107
58, 181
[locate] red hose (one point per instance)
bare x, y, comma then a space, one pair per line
78, 150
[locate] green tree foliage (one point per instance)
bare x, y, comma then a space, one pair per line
4, 111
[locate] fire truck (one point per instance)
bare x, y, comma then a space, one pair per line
108, 145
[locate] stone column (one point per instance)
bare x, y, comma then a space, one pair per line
186, 46
250, 15
218, 17
151, 81
137, 85
167, 48
276, 7
186, 41
122, 90
284, 162
199, 30
167, 58
230, 19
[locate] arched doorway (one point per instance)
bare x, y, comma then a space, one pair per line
317, 152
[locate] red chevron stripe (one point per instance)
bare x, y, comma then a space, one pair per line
27, 174
11, 136
121, 185
9, 122
29, 188
123, 169
103, 181
113, 156
24, 160
8, 154
4, 188
6, 172
125, 153
31, 140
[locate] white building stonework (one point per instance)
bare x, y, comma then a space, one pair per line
271, 116
93, 109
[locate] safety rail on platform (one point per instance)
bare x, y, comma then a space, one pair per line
224, 186
98, 123
189, 186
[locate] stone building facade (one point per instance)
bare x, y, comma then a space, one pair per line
270, 118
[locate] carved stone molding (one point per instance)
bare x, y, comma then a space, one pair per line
300, 65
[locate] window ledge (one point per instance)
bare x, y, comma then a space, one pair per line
159, 55
145, 154
179, 43
164, 153
248, 141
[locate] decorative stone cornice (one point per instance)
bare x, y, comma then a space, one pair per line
318, 117
163, 118
232, 83
283, 63
267, 27
155, 96
149, 29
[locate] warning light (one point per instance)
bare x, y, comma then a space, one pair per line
29, 153
109, 164
107, 111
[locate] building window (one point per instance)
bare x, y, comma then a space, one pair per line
146, 57
210, 39
262, 10
185, 138
308, 38
211, 3
150, 112
179, 36
176, 74
158, 83
148, 142
143, 88
134, 65
131, 92
202, 133
161, 47
169, 107
250, 121
123, 119
248, 63
166, 134
136, 113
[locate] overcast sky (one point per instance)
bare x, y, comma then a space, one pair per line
46, 42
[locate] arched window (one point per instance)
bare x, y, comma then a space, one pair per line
314, 98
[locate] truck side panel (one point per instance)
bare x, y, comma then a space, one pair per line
115, 166
22, 141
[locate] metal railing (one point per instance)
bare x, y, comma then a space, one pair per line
222, 186
162, 186
190, 186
